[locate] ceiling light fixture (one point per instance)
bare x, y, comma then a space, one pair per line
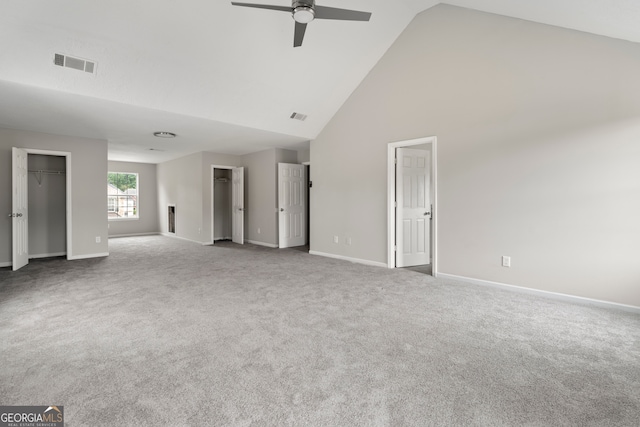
164, 134
303, 14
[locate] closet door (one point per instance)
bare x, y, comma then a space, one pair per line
19, 213
237, 200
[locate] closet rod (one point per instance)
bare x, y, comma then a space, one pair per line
48, 172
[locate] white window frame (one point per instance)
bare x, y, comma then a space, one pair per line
128, 200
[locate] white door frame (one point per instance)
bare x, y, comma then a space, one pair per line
213, 168
67, 156
391, 198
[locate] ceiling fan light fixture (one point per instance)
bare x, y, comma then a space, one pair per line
164, 134
303, 14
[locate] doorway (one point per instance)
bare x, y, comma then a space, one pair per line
41, 205
227, 204
47, 206
222, 205
411, 229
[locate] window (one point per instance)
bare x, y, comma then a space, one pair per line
122, 195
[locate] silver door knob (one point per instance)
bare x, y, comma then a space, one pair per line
18, 215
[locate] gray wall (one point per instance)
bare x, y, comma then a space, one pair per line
180, 184
262, 193
147, 223
538, 131
88, 190
187, 183
47, 206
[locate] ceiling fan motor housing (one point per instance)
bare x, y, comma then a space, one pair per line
302, 11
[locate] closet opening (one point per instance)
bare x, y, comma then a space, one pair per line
171, 215
47, 205
222, 205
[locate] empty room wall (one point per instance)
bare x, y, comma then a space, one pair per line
538, 131
261, 194
186, 182
180, 184
88, 190
147, 223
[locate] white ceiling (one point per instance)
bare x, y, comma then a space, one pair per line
224, 78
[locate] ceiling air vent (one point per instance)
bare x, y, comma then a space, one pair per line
75, 63
298, 116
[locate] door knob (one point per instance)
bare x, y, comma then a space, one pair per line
427, 213
281, 209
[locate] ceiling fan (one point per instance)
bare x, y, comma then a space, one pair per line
305, 11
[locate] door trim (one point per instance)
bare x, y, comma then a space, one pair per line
67, 156
391, 197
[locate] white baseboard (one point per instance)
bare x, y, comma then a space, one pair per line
36, 256
6, 264
268, 245
173, 236
115, 236
346, 258
538, 292
85, 256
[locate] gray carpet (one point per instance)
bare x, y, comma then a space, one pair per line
166, 332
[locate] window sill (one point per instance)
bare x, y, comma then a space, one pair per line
123, 219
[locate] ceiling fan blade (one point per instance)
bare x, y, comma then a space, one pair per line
263, 6
299, 34
323, 12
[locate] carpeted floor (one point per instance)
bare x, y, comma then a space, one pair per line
166, 332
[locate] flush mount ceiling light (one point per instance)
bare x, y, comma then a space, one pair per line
164, 134
303, 14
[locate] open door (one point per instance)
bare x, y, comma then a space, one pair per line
20, 214
237, 200
292, 205
413, 215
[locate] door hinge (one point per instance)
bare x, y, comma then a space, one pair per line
310, 184
395, 248
395, 161
395, 204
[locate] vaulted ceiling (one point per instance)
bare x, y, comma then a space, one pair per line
223, 78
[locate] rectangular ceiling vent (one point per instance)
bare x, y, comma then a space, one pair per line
75, 63
298, 116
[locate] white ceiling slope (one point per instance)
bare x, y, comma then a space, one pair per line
224, 78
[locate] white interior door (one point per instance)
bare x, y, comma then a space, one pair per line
20, 214
292, 205
413, 215
237, 201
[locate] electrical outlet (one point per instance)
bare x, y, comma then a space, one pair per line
335, 239
259, 230
506, 261
98, 240
349, 241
